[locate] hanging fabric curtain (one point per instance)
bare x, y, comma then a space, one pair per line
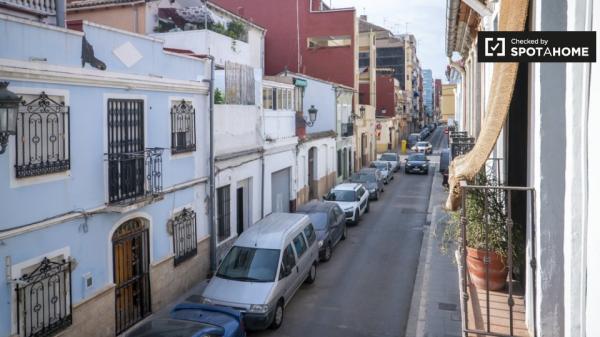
513, 15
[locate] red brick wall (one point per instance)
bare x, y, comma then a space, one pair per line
386, 98
364, 94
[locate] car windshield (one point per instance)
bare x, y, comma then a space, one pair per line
389, 157
422, 144
362, 177
417, 157
381, 166
343, 195
319, 220
168, 328
250, 264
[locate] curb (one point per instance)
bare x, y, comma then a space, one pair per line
416, 318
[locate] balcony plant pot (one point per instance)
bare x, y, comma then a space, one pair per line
498, 271
485, 227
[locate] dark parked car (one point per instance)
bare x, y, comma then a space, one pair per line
330, 224
417, 163
193, 320
371, 179
413, 138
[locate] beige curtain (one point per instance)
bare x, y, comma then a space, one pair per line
513, 14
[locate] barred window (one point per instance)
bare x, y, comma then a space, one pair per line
44, 305
43, 137
223, 213
183, 127
184, 235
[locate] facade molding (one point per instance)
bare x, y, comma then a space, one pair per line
47, 73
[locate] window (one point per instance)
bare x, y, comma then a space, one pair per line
43, 138
299, 98
309, 232
288, 261
223, 223
300, 245
184, 235
183, 127
329, 41
44, 303
339, 163
361, 192
267, 98
337, 212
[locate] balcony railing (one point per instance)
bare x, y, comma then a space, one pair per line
134, 176
40, 7
460, 143
347, 129
496, 253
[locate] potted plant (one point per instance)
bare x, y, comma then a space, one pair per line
485, 211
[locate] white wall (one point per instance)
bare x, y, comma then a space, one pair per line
279, 124
237, 127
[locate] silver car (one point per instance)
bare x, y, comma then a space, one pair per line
266, 265
385, 168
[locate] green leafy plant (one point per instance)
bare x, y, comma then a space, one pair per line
236, 30
485, 211
218, 97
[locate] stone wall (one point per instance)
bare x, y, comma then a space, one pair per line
168, 282
95, 316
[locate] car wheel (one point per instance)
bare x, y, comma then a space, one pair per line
345, 232
356, 217
312, 274
327, 255
368, 208
376, 196
277, 316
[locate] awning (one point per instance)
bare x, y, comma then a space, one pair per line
513, 14
300, 82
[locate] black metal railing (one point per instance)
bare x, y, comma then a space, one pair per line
134, 175
496, 224
183, 127
347, 129
184, 235
44, 301
43, 139
460, 143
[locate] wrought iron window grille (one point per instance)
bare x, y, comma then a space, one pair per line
184, 235
43, 137
44, 299
347, 129
135, 175
183, 127
223, 213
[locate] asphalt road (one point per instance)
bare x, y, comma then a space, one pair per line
366, 287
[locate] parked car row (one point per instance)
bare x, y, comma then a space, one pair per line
268, 262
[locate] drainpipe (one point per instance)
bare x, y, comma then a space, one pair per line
211, 167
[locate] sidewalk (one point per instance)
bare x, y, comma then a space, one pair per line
435, 306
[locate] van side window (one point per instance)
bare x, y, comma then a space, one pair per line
288, 260
300, 245
309, 232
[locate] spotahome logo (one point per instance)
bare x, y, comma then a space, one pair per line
536, 47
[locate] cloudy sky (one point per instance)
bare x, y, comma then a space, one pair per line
426, 19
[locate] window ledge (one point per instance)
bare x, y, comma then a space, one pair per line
128, 206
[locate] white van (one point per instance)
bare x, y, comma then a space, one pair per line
264, 268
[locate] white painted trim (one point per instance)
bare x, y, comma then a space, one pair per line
16, 271
272, 84
109, 252
48, 73
12, 155
39, 25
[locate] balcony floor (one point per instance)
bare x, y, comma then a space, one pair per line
499, 312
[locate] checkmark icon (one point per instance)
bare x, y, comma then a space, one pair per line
495, 47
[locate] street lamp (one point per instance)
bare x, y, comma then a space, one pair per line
361, 115
9, 107
312, 116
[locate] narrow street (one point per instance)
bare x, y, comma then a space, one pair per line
366, 288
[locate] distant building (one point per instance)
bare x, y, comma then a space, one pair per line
428, 93
448, 103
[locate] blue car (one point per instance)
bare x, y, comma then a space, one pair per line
193, 320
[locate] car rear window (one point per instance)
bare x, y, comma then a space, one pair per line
389, 157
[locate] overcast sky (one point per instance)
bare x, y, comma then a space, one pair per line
426, 20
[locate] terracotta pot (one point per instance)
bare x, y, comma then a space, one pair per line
498, 270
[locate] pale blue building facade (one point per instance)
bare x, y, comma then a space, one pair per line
103, 190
